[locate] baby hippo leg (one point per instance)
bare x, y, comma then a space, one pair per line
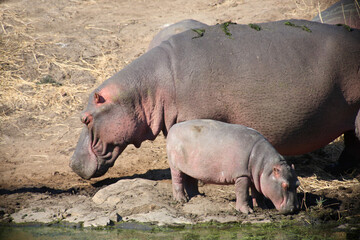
178, 180
191, 186
257, 198
242, 185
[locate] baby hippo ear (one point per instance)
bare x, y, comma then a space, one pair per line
277, 171
98, 98
285, 185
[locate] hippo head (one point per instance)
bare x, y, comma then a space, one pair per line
279, 185
112, 119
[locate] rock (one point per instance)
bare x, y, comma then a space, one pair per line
343, 226
115, 217
160, 217
97, 222
220, 219
133, 196
27, 215
140, 200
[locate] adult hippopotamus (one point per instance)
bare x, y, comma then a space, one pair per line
223, 153
295, 81
174, 29
343, 12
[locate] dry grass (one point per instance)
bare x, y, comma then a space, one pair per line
313, 183
24, 65
322, 180
310, 8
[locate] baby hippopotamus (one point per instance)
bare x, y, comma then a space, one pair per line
222, 153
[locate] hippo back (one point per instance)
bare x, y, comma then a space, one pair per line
174, 29
296, 60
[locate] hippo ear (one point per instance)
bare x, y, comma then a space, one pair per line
98, 98
276, 171
285, 185
292, 166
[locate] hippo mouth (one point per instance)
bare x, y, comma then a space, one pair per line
93, 157
286, 208
105, 153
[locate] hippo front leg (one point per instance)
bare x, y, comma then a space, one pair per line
350, 156
257, 198
242, 185
178, 182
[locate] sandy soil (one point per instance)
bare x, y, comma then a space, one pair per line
54, 52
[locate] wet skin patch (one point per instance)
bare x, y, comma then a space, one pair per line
305, 28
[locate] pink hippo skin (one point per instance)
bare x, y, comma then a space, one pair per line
223, 153
299, 86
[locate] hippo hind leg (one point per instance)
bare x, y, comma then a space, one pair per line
178, 183
182, 182
350, 156
191, 186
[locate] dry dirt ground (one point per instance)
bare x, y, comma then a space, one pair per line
54, 52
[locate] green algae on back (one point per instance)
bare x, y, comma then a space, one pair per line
347, 27
225, 26
305, 28
199, 31
255, 26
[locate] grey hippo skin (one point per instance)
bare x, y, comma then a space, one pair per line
223, 153
300, 89
174, 29
343, 12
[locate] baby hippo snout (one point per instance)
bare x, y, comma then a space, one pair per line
291, 206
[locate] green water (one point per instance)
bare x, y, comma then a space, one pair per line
209, 231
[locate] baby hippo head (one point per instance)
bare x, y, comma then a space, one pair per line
279, 185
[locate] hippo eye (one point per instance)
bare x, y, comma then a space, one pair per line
98, 98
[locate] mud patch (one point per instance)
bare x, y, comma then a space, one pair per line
150, 201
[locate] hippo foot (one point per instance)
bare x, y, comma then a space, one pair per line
346, 164
260, 203
244, 209
341, 168
349, 159
181, 198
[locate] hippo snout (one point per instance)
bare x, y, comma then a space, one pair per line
84, 162
290, 208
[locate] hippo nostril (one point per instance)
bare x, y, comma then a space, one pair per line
83, 119
86, 118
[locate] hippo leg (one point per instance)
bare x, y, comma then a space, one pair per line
242, 185
257, 198
191, 186
350, 156
178, 182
